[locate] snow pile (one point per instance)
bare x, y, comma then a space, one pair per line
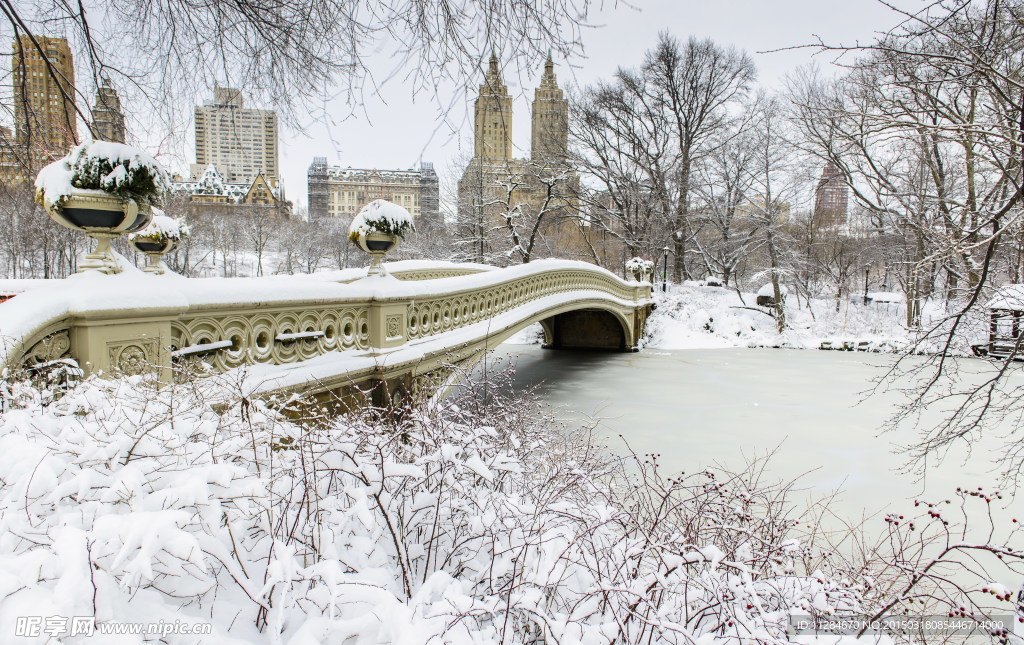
131, 503
53, 184
769, 290
104, 167
381, 216
162, 228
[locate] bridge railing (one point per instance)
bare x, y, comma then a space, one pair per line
125, 324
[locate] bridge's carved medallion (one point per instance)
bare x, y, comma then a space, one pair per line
394, 327
133, 359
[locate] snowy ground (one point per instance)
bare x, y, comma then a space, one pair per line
695, 317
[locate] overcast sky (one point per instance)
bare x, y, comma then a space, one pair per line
394, 130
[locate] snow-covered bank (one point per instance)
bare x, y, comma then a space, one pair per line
695, 317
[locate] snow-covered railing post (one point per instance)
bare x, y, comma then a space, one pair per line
388, 322
640, 269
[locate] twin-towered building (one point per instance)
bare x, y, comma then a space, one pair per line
536, 195
336, 191
492, 119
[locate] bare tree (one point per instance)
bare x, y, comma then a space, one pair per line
623, 154
728, 236
692, 86
774, 185
927, 128
644, 134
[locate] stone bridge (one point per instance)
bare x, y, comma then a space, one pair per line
318, 332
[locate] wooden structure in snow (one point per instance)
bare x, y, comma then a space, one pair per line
1005, 310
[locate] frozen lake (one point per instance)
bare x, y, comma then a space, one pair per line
702, 407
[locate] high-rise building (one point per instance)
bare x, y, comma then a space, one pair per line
13, 165
43, 78
430, 198
497, 191
550, 135
831, 198
240, 142
341, 192
492, 117
107, 116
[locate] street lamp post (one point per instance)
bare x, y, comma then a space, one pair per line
867, 272
664, 273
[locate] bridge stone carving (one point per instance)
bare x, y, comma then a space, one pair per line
295, 331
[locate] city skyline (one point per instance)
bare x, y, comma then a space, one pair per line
419, 129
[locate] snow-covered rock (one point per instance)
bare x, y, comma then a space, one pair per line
769, 290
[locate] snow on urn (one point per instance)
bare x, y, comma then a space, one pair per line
158, 239
377, 229
104, 190
640, 269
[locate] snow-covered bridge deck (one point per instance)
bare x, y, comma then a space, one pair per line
323, 330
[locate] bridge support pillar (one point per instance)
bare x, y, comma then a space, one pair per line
123, 349
388, 323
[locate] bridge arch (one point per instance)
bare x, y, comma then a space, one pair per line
590, 325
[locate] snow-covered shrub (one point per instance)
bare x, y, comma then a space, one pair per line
472, 521
381, 216
112, 168
161, 229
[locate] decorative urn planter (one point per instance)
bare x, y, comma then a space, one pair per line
374, 243
103, 190
377, 229
155, 250
158, 239
640, 269
103, 217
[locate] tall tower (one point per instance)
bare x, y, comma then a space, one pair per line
550, 138
107, 117
44, 97
492, 134
831, 198
239, 141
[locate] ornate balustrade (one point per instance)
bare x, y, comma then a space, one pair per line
126, 324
